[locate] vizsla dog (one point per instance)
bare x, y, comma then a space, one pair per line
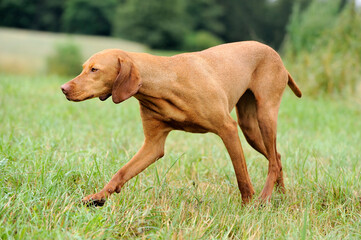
194, 92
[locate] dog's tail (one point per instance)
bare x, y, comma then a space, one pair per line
292, 84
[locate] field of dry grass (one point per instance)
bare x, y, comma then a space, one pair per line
24, 51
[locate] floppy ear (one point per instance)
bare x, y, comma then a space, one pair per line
127, 82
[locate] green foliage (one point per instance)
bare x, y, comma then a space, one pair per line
66, 60
200, 40
261, 20
89, 16
326, 57
53, 152
306, 27
160, 24
32, 14
205, 15
170, 24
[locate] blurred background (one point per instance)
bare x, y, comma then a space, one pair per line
318, 39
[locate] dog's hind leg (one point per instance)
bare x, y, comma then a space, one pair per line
247, 120
246, 109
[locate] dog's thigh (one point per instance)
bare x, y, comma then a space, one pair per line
247, 119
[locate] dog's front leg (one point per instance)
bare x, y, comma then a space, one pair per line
152, 149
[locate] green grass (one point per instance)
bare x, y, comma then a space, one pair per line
54, 152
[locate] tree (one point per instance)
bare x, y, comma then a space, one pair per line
206, 15
89, 16
261, 20
160, 24
32, 14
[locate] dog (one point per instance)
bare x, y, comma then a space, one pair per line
194, 92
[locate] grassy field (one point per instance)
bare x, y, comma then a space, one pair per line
26, 51
53, 152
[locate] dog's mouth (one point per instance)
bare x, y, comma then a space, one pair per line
91, 96
77, 99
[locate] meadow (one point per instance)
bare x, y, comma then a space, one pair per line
54, 152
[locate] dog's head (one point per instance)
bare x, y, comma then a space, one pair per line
107, 73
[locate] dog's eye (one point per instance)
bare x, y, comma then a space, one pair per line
94, 70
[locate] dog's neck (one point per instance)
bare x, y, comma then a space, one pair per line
154, 72
157, 78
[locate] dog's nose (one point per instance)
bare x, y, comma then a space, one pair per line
65, 88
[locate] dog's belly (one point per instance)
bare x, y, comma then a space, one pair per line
178, 118
187, 126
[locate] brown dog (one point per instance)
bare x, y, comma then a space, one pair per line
194, 92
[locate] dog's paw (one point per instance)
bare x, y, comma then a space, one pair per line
94, 200
263, 201
247, 197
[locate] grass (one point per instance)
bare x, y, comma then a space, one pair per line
53, 152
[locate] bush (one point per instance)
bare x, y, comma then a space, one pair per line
200, 40
331, 63
306, 27
66, 60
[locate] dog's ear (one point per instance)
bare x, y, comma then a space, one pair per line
127, 82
